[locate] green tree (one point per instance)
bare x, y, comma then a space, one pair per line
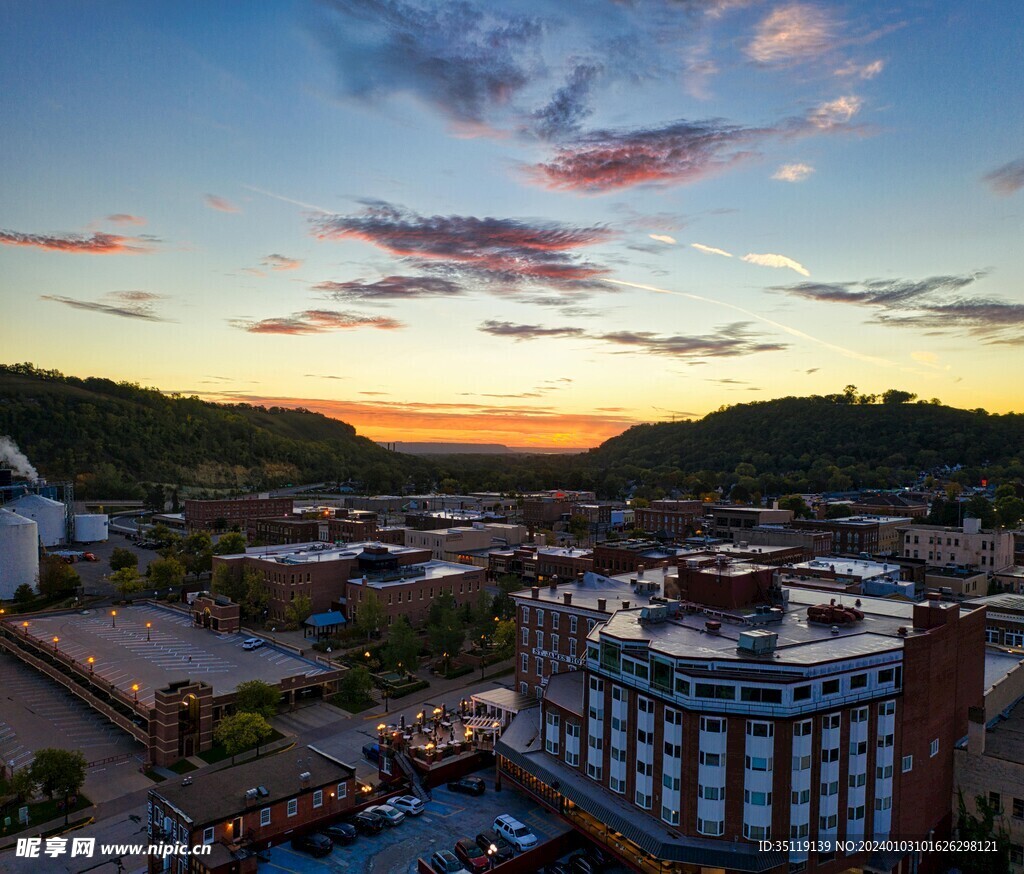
369, 615
257, 696
298, 609
503, 606
24, 595
980, 828
895, 396
1009, 511
162, 535
505, 639
838, 511
126, 581
797, 504
355, 687
242, 731
443, 603
257, 595
447, 635
59, 773
57, 578
980, 508
579, 526
1006, 490
166, 573
402, 651
232, 543
228, 580
23, 784
122, 558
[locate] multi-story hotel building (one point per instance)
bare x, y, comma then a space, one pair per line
689, 734
969, 545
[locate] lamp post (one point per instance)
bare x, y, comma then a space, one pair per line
113, 619
149, 625
56, 640
135, 692
92, 661
24, 628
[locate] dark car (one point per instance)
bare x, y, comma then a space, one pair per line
598, 858
343, 833
372, 752
581, 864
473, 859
367, 824
468, 785
502, 850
314, 844
444, 862
556, 868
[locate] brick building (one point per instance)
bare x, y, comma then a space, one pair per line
446, 543
907, 506
676, 519
733, 522
969, 545
540, 563
1005, 619
816, 543
852, 535
543, 512
223, 515
688, 736
239, 811
625, 556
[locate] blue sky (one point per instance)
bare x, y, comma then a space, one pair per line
530, 223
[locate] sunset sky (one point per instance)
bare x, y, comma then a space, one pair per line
531, 223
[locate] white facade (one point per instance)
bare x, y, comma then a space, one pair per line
91, 527
19, 553
49, 515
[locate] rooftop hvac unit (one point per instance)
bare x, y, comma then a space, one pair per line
305, 776
250, 794
757, 642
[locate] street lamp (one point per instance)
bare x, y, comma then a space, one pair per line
55, 641
24, 628
149, 625
92, 661
113, 619
135, 691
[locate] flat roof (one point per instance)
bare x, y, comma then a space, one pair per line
430, 570
313, 552
999, 663
857, 566
1002, 601
799, 641
176, 649
1005, 740
585, 595
211, 797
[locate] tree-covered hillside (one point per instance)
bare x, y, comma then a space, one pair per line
111, 436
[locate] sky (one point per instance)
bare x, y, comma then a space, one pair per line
533, 223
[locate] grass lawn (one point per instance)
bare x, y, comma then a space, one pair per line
182, 766
351, 705
217, 753
42, 811
154, 776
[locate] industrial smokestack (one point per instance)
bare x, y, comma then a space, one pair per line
12, 455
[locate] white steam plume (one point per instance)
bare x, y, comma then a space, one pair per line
12, 455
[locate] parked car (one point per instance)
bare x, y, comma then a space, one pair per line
556, 868
495, 846
598, 858
371, 752
444, 862
314, 844
408, 804
515, 832
367, 823
582, 864
468, 785
252, 643
90, 556
342, 833
473, 859
391, 816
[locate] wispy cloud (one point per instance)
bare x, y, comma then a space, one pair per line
835, 113
792, 34
281, 262
769, 259
123, 218
124, 304
725, 342
499, 251
793, 172
390, 288
569, 105
935, 304
316, 322
92, 244
663, 238
462, 59
1007, 179
861, 71
220, 204
711, 250
322, 376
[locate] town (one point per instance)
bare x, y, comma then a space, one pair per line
524, 681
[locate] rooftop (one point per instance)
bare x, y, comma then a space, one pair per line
214, 796
1005, 740
1003, 601
305, 553
585, 595
850, 567
175, 650
430, 570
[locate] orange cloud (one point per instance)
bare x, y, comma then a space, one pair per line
514, 425
97, 244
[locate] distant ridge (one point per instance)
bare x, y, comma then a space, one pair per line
473, 449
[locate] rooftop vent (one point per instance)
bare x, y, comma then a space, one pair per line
305, 776
567, 598
757, 642
654, 613
535, 592
713, 626
264, 792
625, 605
602, 604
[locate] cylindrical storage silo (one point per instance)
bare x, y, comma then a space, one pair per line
91, 527
19, 553
49, 515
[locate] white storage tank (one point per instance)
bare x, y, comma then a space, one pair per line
91, 527
49, 515
19, 553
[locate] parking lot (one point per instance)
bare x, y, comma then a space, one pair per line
448, 817
36, 713
126, 652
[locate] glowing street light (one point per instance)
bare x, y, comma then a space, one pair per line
135, 691
56, 640
24, 628
113, 619
92, 661
149, 625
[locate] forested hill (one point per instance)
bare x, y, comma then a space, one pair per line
110, 436
818, 442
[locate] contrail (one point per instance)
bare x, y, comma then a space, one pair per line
795, 332
288, 199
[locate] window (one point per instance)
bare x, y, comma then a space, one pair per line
760, 729
830, 687
756, 832
995, 801
801, 796
645, 769
886, 740
827, 822
554, 620
594, 770
540, 639
711, 724
883, 803
858, 748
802, 729
713, 690
830, 755
933, 748
710, 759
758, 799
540, 618
883, 772
526, 611
764, 696
642, 800
711, 793
859, 715
208, 835
318, 798
551, 734
828, 789
758, 763
526, 636
524, 662
710, 826
572, 624
908, 764
1018, 808
801, 693
539, 665
670, 782
830, 721
858, 681
554, 641
673, 750
293, 806
855, 812
572, 647
801, 763
265, 817
645, 705
887, 708
343, 790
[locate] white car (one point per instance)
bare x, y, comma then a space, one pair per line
513, 831
252, 643
407, 804
391, 816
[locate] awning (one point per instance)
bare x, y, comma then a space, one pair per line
325, 620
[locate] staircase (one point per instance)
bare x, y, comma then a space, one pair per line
414, 778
